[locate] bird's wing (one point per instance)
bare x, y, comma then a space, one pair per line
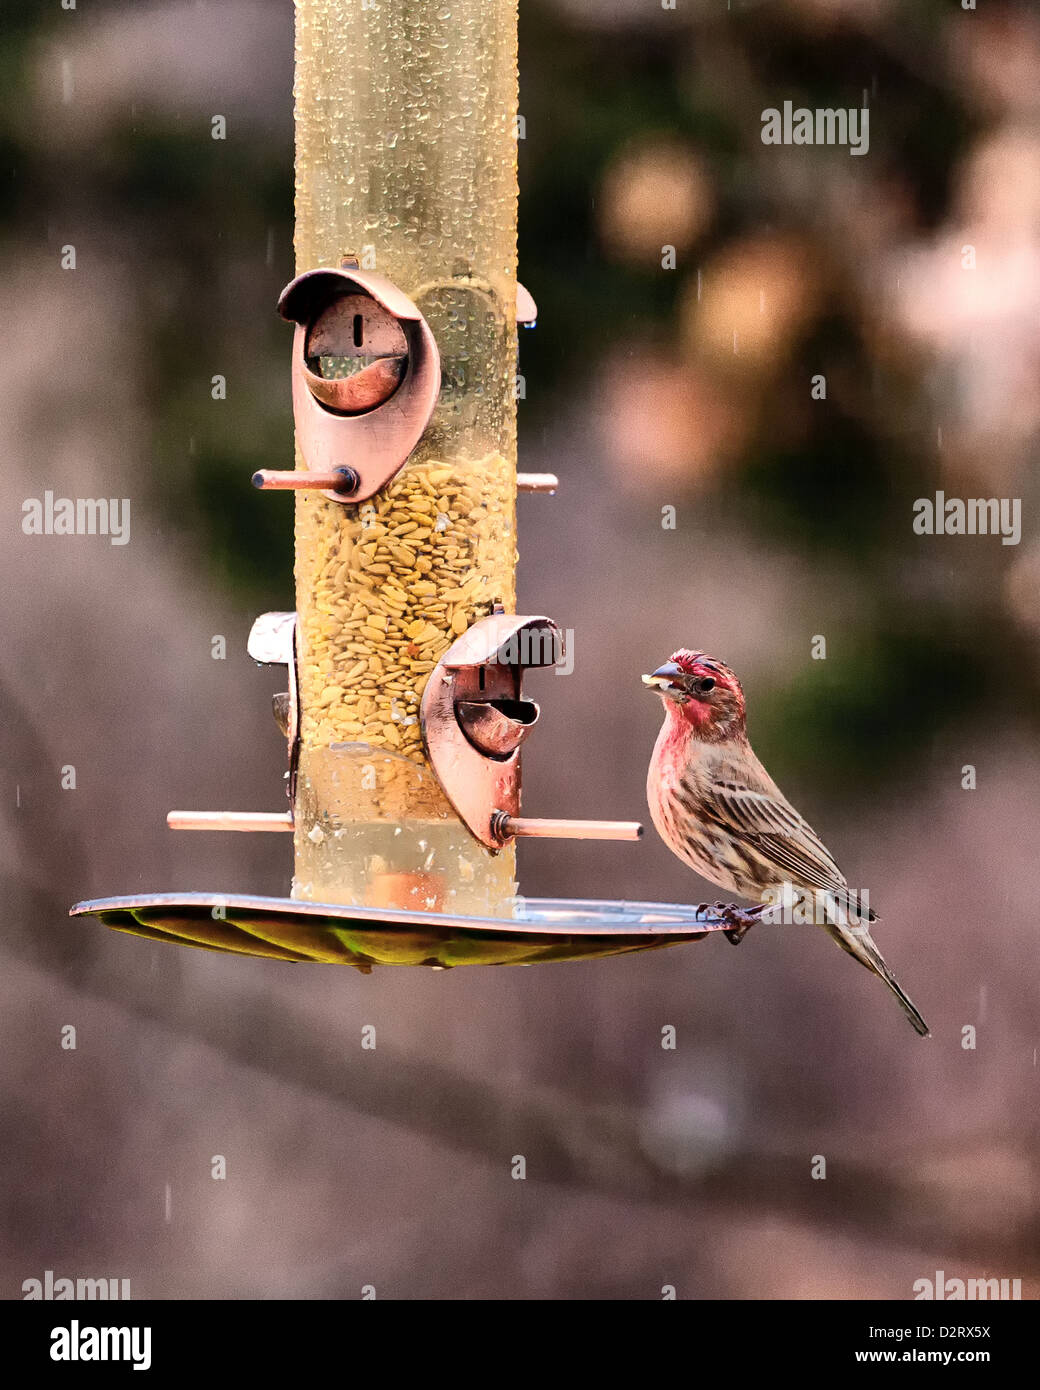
769, 825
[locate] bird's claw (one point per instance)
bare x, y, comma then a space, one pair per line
740, 920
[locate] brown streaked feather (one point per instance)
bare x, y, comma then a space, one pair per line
742, 799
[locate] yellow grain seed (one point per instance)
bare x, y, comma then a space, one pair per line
369, 563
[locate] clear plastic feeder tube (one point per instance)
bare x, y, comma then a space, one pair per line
406, 160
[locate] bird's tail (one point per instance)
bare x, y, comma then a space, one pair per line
859, 943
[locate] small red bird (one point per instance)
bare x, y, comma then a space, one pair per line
717, 808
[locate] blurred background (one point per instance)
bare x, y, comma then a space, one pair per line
645, 388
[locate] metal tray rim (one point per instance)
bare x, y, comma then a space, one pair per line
544, 916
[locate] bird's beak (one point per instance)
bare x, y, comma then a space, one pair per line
665, 681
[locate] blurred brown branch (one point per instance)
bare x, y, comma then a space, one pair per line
565, 1139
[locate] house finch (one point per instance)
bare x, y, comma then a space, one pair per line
717, 808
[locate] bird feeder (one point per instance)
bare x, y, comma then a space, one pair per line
404, 711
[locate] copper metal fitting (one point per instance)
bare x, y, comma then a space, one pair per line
474, 719
365, 379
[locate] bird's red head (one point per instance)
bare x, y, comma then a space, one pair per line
701, 694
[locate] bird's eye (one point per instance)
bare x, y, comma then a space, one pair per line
703, 686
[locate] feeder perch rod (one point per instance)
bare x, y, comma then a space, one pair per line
345, 480
230, 820
508, 826
537, 482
